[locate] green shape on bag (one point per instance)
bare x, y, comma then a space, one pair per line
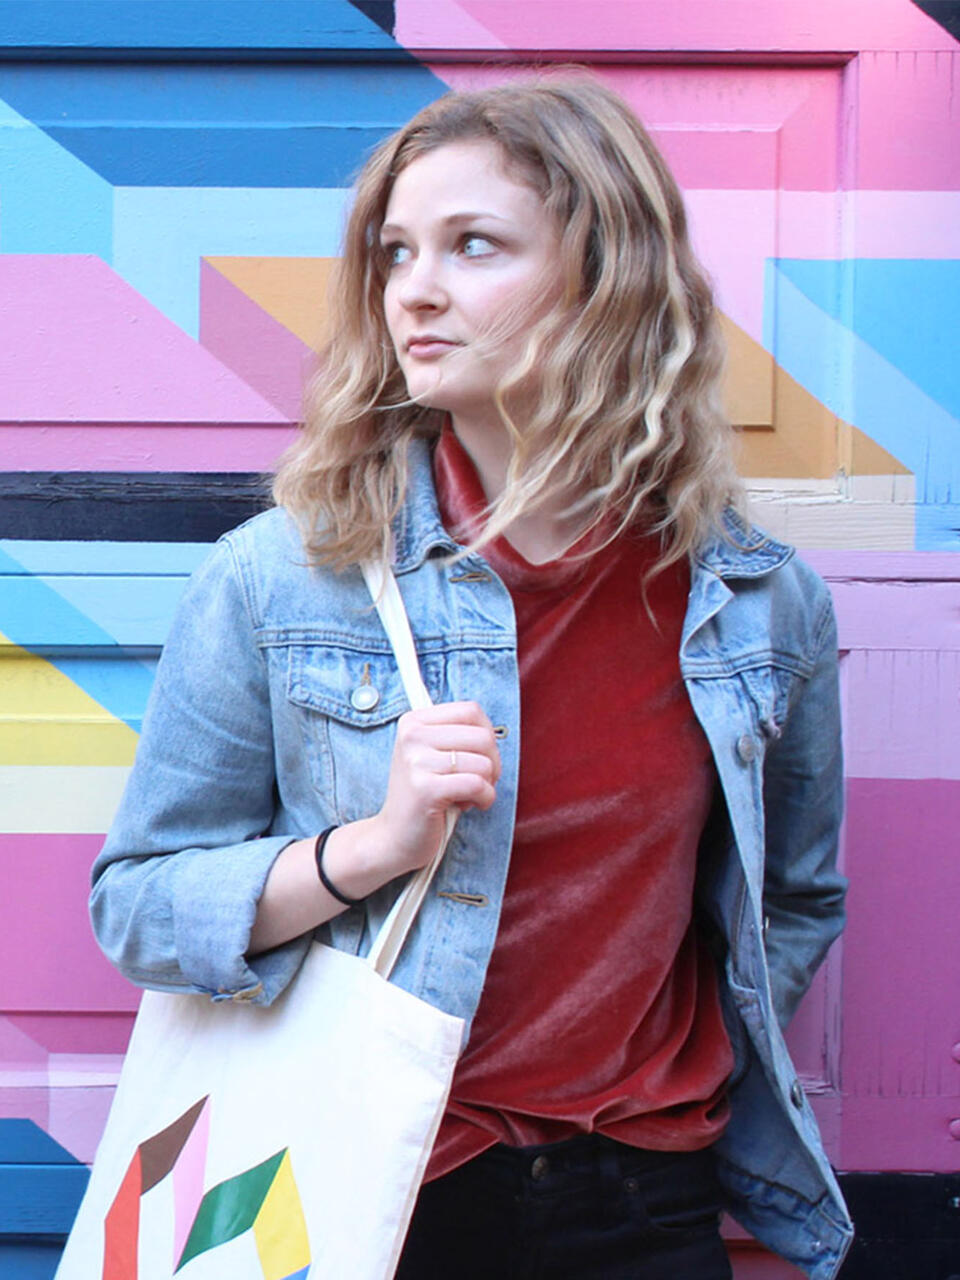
229, 1209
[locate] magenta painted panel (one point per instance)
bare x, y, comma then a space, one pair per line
899, 614
753, 128
816, 27
150, 447
903, 1134
77, 1117
882, 566
115, 365
59, 1032
901, 964
18, 1048
246, 338
48, 956
905, 99
903, 714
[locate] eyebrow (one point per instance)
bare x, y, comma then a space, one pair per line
452, 219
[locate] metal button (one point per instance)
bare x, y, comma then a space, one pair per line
631, 1184
796, 1094
954, 1130
746, 748
540, 1168
500, 731
250, 993
364, 697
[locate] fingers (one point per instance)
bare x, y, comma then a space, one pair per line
453, 737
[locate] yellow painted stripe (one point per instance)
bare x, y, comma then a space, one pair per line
59, 799
47, 719
279, 1227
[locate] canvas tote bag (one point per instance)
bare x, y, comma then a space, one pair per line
276, 1143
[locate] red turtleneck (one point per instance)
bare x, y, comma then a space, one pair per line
600, 1010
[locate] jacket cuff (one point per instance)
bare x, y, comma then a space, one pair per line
212, 931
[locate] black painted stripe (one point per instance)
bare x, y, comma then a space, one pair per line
122, 506
946, 12
907, 1225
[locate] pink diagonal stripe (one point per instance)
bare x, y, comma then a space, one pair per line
188, 1180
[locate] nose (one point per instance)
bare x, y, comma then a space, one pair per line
422, 286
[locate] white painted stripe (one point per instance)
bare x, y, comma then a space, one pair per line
55, 799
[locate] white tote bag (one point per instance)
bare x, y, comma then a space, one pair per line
276, 1143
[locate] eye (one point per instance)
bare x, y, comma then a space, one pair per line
395, 254
476, 246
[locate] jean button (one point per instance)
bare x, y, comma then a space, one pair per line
631, 1184
540, 1168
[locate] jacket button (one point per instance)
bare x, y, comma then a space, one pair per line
500, 731
364, 697
746, 748
540, 1168
954, 1130
796, 1094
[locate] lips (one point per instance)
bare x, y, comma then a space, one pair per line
425, 346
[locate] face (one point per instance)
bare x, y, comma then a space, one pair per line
465, 242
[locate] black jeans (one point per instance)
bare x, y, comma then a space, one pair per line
586, 1209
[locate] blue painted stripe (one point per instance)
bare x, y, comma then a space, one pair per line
185, 24
38, 618
938, 527
907, 310
41, 1183
22, 1258
231, 156
56, 614
861, 386
161, 233
24, 1142
153, 558
52, 202
223, 125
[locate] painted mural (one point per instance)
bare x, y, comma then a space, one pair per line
167, 224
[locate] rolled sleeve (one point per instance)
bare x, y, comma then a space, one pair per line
176, 886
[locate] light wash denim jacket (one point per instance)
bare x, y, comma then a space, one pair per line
254, 737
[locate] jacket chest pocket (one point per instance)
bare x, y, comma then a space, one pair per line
348, 701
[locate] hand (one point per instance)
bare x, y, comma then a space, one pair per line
444, 756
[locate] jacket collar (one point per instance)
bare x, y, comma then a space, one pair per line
418, 529
741, 550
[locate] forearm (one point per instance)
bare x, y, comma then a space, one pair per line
294, 900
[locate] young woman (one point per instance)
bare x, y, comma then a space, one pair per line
636, 714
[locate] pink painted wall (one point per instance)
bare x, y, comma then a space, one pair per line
818, 146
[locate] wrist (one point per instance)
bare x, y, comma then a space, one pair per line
349, 862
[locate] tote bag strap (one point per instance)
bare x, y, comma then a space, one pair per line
385, 593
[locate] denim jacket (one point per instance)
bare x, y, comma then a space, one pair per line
255, 736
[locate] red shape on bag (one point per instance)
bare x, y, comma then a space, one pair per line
121, 1227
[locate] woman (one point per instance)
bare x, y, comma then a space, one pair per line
636, 713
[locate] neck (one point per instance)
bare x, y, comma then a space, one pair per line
539, 535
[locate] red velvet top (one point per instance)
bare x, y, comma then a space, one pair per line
600, 1010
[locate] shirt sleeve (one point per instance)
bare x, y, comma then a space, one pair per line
176, 886
803, 896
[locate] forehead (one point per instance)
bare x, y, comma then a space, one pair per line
461, 175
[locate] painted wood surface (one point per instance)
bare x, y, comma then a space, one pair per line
165, 243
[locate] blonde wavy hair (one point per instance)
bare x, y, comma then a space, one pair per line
627, 361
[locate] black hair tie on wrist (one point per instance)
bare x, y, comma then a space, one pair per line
325, 880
